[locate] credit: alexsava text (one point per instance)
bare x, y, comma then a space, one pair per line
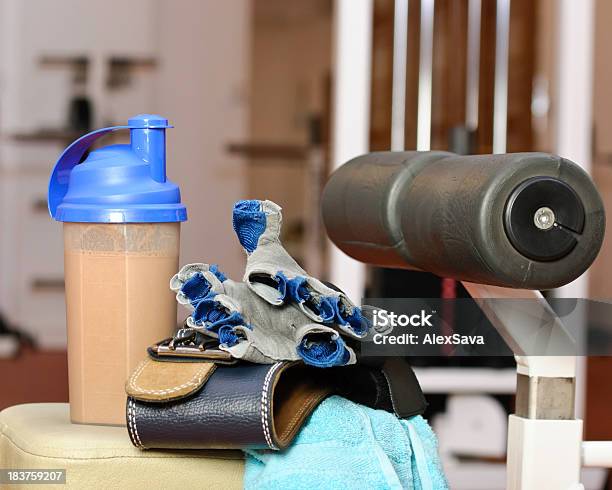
384, 320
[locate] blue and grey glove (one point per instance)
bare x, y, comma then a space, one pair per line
279, 312
252, 329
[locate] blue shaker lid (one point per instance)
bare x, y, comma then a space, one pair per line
117, 183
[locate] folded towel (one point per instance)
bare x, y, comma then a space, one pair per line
345, 445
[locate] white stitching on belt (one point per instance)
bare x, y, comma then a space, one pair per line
195, 381
264, 405
132, 420
390, 392
129, 422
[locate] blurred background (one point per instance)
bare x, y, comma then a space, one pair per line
250, 86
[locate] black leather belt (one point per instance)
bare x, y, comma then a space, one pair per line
261, 406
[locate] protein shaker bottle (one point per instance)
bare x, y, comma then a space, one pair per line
121, 247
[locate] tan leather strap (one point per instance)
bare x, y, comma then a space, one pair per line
158, 381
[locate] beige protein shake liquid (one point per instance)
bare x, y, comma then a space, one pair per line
118, 303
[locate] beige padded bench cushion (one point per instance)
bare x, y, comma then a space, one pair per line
40, 435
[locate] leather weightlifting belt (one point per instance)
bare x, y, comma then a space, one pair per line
186, 403
229, 407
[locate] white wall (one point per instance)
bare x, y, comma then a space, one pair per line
202, 48
202, 85
35, 96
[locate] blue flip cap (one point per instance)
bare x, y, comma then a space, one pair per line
117, 183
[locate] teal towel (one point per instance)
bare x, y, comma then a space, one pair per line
344, 445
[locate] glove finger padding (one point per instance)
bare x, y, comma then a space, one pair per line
252, 329
276, 277
194, 282
201, 288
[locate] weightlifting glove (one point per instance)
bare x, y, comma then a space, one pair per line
252, 329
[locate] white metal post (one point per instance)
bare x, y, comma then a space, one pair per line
351, 113
542, 454
400, 55
500, 90
544, 439
473, 65
425, 76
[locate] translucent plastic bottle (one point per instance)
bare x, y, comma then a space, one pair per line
121, 246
